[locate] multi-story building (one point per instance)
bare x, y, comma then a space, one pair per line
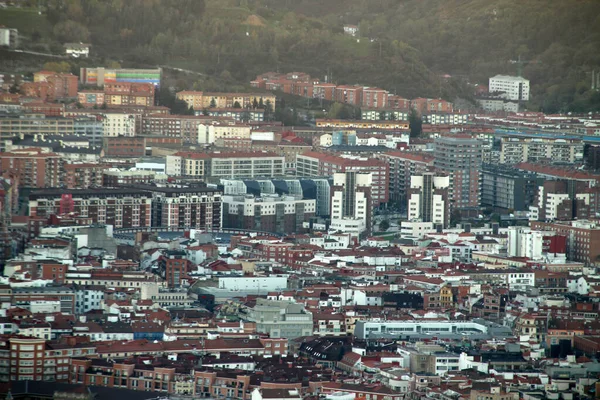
506, 188
47, 109
564, 200
24, 296
91, 98
374, 98
124, 146
204, 100
9, 37
583, 238
174, 267
83, 175
402, 166
444, 118
281, 319
428, 199
51, 86
428, 106
33, 168
270, 213
324, 91
348, 94
461, 157
122, 208
193, 207
101, 76
33, 359
232, 165
517, 149
209, 133
115, 123
513, 87
379, 114
351, 202
127, 93
398, 103
318, 189
237, 114
14, 126
115, 177
313, 164
357, 124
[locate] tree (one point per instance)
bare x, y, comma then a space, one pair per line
392, 116
213, 103
245, 117
57, 66
384, 225
237, 104
71, 31
382, 116
455, 217
260, 103
255, 103
268, 110
205, 111
415, 123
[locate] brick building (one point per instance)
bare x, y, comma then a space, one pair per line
124, 146
83, 175
32, 167
583, 238
127, 93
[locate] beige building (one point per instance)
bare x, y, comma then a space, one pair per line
201, 100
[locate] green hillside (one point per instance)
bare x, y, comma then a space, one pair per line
405, 46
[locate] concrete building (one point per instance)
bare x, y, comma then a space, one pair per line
512, 87
583, 238
119, 124
122, 208
402, 166
322, 164
231, 165
351, 201
318, 189
517, 149
281, 319
525, 242
209, 133
564, 200
461, 157
506, 188
9, 37
100, 76
428, 199
270, 213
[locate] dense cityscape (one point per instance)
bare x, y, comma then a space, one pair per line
301, 239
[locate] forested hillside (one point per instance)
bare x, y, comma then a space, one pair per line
405, 46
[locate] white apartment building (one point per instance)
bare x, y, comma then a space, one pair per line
119, 124
513, 87
524, 242
207, 134
428, 199
351, 201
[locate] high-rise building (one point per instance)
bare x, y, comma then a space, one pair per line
351, 203
402, 166
564, 200
428, 199
460, 155
321, 164
33, 168
174, 267
507, 188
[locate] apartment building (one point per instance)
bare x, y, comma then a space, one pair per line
351, 202
14, 126
91, 98
34, 359
461, 157
270, 213
237, 114
83, 175
124, 146
122, 208
324, 91
583, 238
33, 168
128, 93
232, 165
515, 150
209, 133
402, 166
428, 199
116, 123
348, 94
398, 103
193, 207
564, 200
313, 164
426, 106
374, 98
51, 86
506, 188
514, 88
201, 100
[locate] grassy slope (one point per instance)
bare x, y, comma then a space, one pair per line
26, 20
